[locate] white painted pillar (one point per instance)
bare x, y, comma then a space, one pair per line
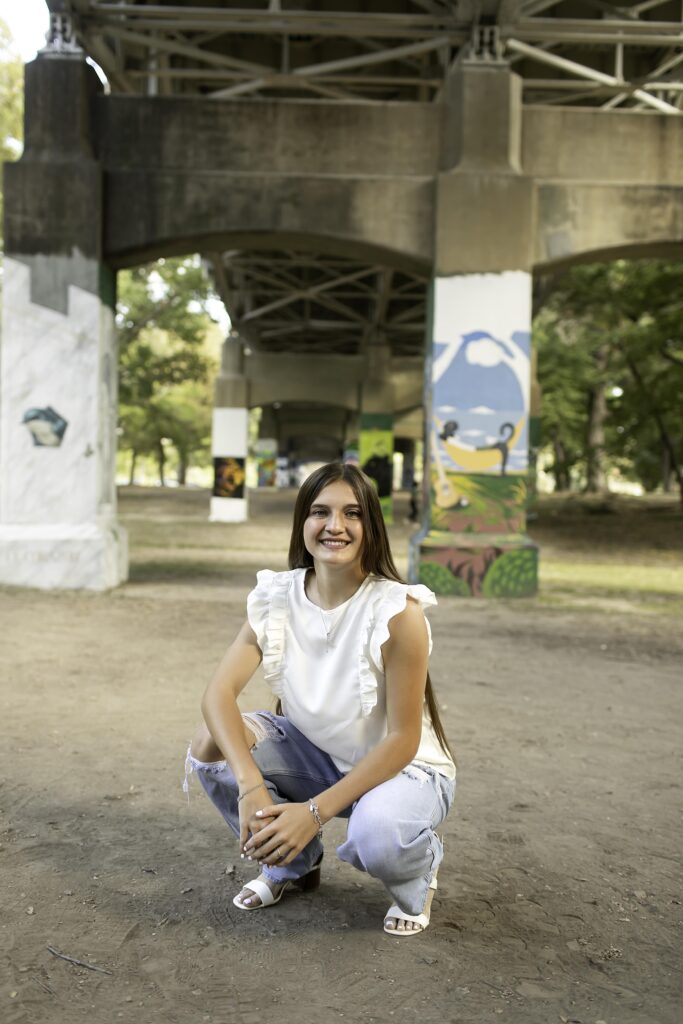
58, 399
230, 437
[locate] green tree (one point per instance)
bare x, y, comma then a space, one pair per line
11, 102
162, 322
165, 370
650, 358
611, 368
564, 369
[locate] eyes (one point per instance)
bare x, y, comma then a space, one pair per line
322, 512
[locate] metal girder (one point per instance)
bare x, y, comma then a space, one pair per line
291, 301
399, 51
394, 50
589, 73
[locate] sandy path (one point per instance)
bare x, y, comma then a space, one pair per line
559, 898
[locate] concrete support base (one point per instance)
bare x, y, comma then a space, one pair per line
487, 565
85, 556
228, 510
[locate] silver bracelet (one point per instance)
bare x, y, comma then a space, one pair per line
313, 808
248, 791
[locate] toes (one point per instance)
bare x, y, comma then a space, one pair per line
248, 899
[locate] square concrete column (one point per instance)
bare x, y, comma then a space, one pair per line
478, 371
376, 426
230, 437
474, 542
58, 385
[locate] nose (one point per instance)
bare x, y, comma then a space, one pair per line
334, 522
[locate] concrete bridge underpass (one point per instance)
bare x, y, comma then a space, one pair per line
373, 189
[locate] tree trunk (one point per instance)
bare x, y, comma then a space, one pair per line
161, 459
665, 438
560, 467
666, 470
596, 481
182, 467
133, 460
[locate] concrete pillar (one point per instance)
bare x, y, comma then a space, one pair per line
406, 445
376, 424
534, 437
473, 539
230, 437
58, 386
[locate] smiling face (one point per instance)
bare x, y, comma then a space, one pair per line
333, 528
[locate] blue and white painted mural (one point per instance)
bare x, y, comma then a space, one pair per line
481, 376
481, 372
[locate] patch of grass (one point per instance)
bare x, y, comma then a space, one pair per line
608, 578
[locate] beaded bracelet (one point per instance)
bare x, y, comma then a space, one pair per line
313, 808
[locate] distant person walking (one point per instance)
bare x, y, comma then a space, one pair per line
344, 645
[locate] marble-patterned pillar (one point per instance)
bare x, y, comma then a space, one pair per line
230, 437
474, 542
58, 380
376, 425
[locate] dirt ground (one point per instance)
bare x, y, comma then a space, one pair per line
560, 895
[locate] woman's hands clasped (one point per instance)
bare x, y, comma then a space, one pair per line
287, 829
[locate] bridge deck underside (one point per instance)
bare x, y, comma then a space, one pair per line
568, 52
310, 302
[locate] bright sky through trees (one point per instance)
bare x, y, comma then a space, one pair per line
28, 21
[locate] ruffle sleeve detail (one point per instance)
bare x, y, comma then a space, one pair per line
267, 614
391, 600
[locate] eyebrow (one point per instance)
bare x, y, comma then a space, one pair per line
317, 504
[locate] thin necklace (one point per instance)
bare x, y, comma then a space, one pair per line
331, 629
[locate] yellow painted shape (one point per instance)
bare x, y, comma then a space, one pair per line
478, 461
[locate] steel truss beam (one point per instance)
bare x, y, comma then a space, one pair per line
225, 51
290, 301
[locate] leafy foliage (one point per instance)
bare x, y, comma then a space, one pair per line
610, 348
165, 370
11, 100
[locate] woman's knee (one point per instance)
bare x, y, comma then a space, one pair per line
205, 748
376, 843
203, 745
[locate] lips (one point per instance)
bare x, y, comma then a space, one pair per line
334, 544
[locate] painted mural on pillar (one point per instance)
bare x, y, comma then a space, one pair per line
228, 477
503, 568
375, 453
481, 374
478, 503
46, 427
478, 439
264, 454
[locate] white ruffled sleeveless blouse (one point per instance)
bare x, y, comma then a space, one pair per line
326, 666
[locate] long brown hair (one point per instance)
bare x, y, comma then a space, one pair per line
376, 558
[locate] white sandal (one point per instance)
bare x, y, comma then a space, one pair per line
268, 898
395, 912
264, 893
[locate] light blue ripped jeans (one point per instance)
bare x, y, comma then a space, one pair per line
391, 828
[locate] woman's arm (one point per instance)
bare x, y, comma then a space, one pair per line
219, 705
405, 656
224, 721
